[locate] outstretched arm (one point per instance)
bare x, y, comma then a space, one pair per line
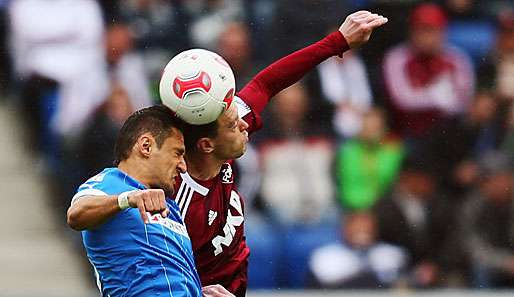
355, 31
87, 212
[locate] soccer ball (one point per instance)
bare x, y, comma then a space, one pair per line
198, 85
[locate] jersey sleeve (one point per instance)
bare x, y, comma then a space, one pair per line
285, 72
95, 186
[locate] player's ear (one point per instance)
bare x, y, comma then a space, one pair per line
205, 145
145, 144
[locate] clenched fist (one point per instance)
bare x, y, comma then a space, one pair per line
150, 200
357, 27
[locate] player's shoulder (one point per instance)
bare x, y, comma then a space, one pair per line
109, 181
104, 176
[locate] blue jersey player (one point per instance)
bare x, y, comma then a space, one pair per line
134, 237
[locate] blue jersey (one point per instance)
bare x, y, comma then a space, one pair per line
136, 259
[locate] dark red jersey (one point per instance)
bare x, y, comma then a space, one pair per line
213, 210
214, 216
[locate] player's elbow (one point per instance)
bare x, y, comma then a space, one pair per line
73, 218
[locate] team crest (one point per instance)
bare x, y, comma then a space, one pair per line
226, 174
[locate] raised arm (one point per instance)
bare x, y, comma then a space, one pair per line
355, 31
90, 211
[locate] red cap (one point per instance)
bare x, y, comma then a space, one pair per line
428, 15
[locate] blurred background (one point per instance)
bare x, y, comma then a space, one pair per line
389, 170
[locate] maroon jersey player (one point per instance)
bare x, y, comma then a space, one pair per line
209, 202
208, 199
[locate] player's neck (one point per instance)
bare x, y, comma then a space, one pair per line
203, 166
135, 170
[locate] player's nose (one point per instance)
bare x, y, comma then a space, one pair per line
182, 166
243, 125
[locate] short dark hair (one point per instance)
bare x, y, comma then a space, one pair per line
195, 132
158, 120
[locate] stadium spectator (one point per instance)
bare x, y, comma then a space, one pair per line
507, 144
290, 15
470, 28
413, 217
392, 34
358, 261
426, 79
58, 43
258, 15
496, 73
125, 66
454, 145
290, 159
210, 18
160, 30
345, 84
234, 45
157, 25
486, 223
367, 165
95, 150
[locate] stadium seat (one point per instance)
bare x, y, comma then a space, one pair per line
264, 253
475, 38
298, 243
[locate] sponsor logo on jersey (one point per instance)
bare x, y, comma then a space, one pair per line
212, 216
229, 229
168, 223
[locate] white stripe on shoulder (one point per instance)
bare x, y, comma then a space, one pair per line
193, 184
242, 108
88, 192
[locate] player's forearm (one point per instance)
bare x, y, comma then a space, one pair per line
88, 212
288, 70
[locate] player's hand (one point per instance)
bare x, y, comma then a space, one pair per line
216, 291
357, 27
150, 200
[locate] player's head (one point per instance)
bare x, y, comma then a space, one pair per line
224, 138
151, 144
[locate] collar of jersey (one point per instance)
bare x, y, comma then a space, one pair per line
200, 186
128, 179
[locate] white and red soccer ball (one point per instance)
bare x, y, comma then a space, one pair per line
198, 85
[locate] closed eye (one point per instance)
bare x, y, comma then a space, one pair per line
181, 152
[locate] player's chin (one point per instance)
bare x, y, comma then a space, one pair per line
169, 189
240, 152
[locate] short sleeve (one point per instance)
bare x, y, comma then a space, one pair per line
248, 115
95, 186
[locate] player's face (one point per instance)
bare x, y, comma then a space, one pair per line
168, 161
230, 143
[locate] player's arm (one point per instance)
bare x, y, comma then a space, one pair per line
90, 211
355, 31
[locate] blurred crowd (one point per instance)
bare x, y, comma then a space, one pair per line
389, 167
